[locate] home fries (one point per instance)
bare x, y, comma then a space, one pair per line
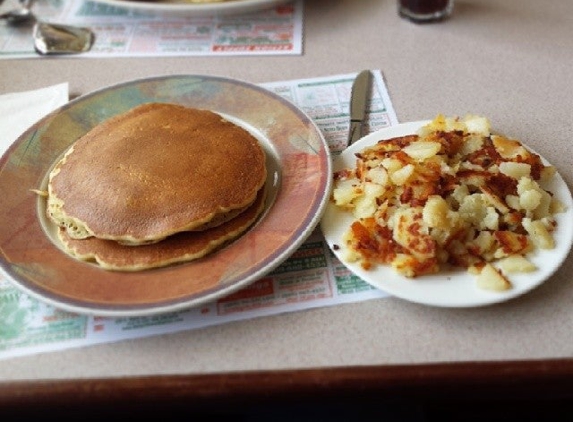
452, 194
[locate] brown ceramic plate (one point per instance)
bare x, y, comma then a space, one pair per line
298, 186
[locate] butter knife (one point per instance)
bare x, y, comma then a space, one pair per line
358, 101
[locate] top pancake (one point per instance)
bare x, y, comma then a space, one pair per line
153, 171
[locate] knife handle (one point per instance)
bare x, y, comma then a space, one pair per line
355, 131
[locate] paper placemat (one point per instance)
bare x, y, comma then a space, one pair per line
312, 277
122, 32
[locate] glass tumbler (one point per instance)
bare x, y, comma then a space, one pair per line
421, 11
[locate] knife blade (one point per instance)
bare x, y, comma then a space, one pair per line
358, 100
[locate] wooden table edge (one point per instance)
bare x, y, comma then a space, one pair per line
510, 380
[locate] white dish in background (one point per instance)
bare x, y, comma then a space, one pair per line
455, 288
182, 8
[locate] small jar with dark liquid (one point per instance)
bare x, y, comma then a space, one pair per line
420, 11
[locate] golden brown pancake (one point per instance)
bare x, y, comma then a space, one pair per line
180, 247
153, 171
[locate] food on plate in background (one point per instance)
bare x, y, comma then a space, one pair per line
452, 194
152, 172
186, 1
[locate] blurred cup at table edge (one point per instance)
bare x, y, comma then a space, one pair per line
425, 11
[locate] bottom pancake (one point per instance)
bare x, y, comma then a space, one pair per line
215, 221
180, 247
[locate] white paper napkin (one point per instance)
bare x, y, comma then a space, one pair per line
20, 110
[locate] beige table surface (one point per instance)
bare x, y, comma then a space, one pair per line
509, 60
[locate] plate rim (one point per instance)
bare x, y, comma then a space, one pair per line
318, 203
196, 9
489, 298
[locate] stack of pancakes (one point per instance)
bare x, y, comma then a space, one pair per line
158, 184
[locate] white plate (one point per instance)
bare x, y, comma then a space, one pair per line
456, 288
194, 9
